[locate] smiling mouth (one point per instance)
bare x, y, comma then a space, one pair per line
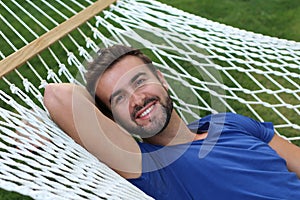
144, 112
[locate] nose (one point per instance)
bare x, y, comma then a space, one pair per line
137, 99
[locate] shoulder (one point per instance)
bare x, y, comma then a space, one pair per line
231, 121
202, 125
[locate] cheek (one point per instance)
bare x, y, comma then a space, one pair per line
162, 92
121, 112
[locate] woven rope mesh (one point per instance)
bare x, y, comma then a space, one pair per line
210, 68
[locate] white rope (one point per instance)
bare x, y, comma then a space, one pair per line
210, 68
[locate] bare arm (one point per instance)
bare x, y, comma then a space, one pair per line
71, 107
288, 151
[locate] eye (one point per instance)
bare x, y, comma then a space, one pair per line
140, 82
119, 99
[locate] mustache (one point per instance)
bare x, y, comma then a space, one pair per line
137, 108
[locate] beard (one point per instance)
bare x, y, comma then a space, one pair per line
156, 123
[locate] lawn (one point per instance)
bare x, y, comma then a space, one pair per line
278, 18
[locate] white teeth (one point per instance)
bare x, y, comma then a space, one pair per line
147, 111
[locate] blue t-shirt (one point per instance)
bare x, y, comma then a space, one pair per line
233, 162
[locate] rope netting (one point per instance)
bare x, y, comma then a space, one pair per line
210, 68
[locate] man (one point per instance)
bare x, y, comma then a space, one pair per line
243, 158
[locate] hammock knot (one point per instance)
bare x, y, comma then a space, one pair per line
91, 44
51, 74
43, 84
73, 60
194, 79
107, 14
62, 69
81, 50
99, 21
13, 88
96, 33
71, 57
112, 6
26, 84
84, 53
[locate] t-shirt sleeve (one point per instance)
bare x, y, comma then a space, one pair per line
262, 130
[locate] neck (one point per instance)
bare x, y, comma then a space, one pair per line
176, 132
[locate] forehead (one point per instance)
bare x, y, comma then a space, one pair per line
119, 75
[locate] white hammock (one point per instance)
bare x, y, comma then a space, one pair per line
210, 68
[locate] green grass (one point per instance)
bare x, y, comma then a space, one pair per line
278, 18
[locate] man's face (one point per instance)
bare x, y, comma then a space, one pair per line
138, 99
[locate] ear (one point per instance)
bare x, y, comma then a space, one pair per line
162, 80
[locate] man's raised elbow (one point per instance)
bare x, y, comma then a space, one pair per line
49, 94
55, 94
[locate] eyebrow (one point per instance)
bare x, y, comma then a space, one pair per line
114, 95
134, 78
137, 76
